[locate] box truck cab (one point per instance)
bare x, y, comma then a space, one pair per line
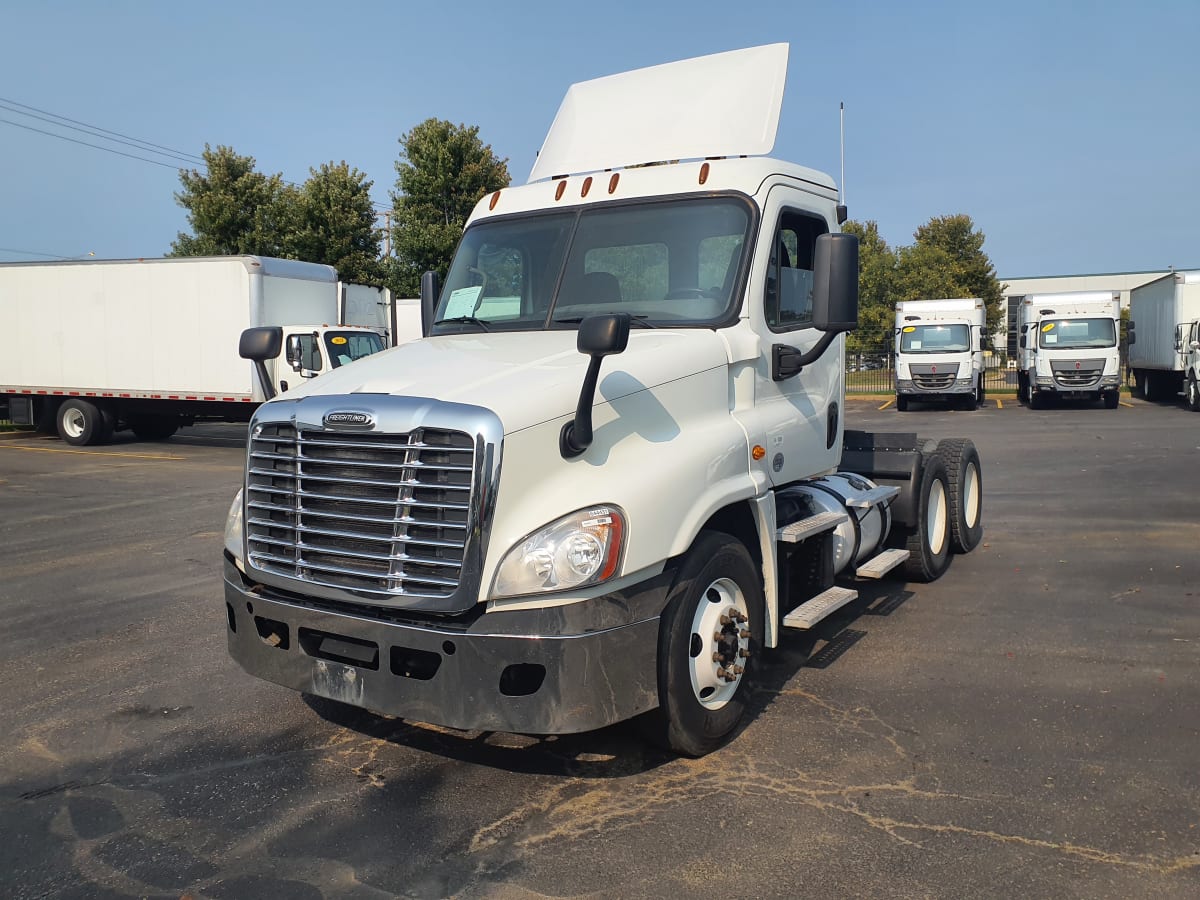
615, 470
1068, 348
939, 351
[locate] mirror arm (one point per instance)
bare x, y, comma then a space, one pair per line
787, 362
576, 435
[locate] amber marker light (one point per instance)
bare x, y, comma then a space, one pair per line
704, 173
562, 188
612, 182
495, 199
759, 451
587, 186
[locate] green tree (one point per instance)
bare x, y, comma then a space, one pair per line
442, 172
947, 260
232, 207
333, 222
876, 276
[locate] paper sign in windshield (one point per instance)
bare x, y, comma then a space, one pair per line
463, 302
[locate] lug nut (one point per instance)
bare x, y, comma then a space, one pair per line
744, 633
718, 636
738, 670
716, 657
744, 653
725, 620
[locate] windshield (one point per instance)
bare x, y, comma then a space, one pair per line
347, 346
1077, 334
935, 338
668, 263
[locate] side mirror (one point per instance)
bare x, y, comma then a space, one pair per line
599, 336
259, 345
1130, 336
294, 352
1024, 342
835, 283
431, 287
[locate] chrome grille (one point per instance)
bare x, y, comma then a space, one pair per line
927, 380
1088, 373
385, 514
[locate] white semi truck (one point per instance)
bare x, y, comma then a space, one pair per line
1068, 347
98, 346
1163, 337
939, 351
614, 472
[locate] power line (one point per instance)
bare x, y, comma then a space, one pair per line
97, 134
33, 253
147, 144
63, 137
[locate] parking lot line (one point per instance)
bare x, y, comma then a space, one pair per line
999, 403
889, 403
88, 452
1126, 405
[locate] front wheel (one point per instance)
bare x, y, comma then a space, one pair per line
709, 631
901, 403
1112, 400
1193, 393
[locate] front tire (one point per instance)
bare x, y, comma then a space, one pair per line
81, 423
1193, 393
708, 635
928, 544
901, 403
965, 482
1112, 399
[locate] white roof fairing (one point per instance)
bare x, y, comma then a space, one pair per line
726, 104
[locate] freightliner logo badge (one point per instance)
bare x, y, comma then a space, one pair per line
348, 419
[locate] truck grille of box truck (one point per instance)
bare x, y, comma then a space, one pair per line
381, 513
1086, 375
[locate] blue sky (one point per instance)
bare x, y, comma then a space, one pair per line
1068, 131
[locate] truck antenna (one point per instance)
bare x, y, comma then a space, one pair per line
842, 213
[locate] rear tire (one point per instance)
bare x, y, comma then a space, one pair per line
81, 423
928, 544
1146, 385
1193, 393
965, 480
698, 708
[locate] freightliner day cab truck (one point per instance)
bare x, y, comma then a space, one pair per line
1164, 337
615, 471
1068, 347
939, 351
98, 346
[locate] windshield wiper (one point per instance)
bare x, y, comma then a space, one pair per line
640, 321
464, 320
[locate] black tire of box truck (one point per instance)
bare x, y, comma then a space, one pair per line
901, 403
1193, 392
1037, 399
1112, 399
712, 623
1022, 388
980, 394
81, 422
1145, 383
965, 482
928, 543
153, 426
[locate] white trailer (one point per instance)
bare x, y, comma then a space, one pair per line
1069, 347
97, 346
615, 471
1163, 315
939, 351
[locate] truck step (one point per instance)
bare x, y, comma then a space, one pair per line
806, 528
806, 615
880, 565
875, 495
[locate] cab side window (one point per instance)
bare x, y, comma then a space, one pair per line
790, 273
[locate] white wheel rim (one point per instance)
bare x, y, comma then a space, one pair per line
710, 657
74, 422
935, 518
971, 497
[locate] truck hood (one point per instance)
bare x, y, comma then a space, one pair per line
525, 378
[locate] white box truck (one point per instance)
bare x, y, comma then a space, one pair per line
614, 472
1163, 316
1068, 347
939, 351
397, 319
101, 345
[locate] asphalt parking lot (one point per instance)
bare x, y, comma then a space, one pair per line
1029, 725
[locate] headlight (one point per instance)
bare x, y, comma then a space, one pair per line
1044, 381
580, 549
233, 529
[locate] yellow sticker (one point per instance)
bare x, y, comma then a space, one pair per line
908, 329
337, 340
1049, 326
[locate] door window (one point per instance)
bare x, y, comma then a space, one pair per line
788, 297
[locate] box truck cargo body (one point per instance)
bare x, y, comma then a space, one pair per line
939, 351
1068, 347
99, 345
398, 319
1163, 315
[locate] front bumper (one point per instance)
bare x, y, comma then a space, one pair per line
957, 388
546, 671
